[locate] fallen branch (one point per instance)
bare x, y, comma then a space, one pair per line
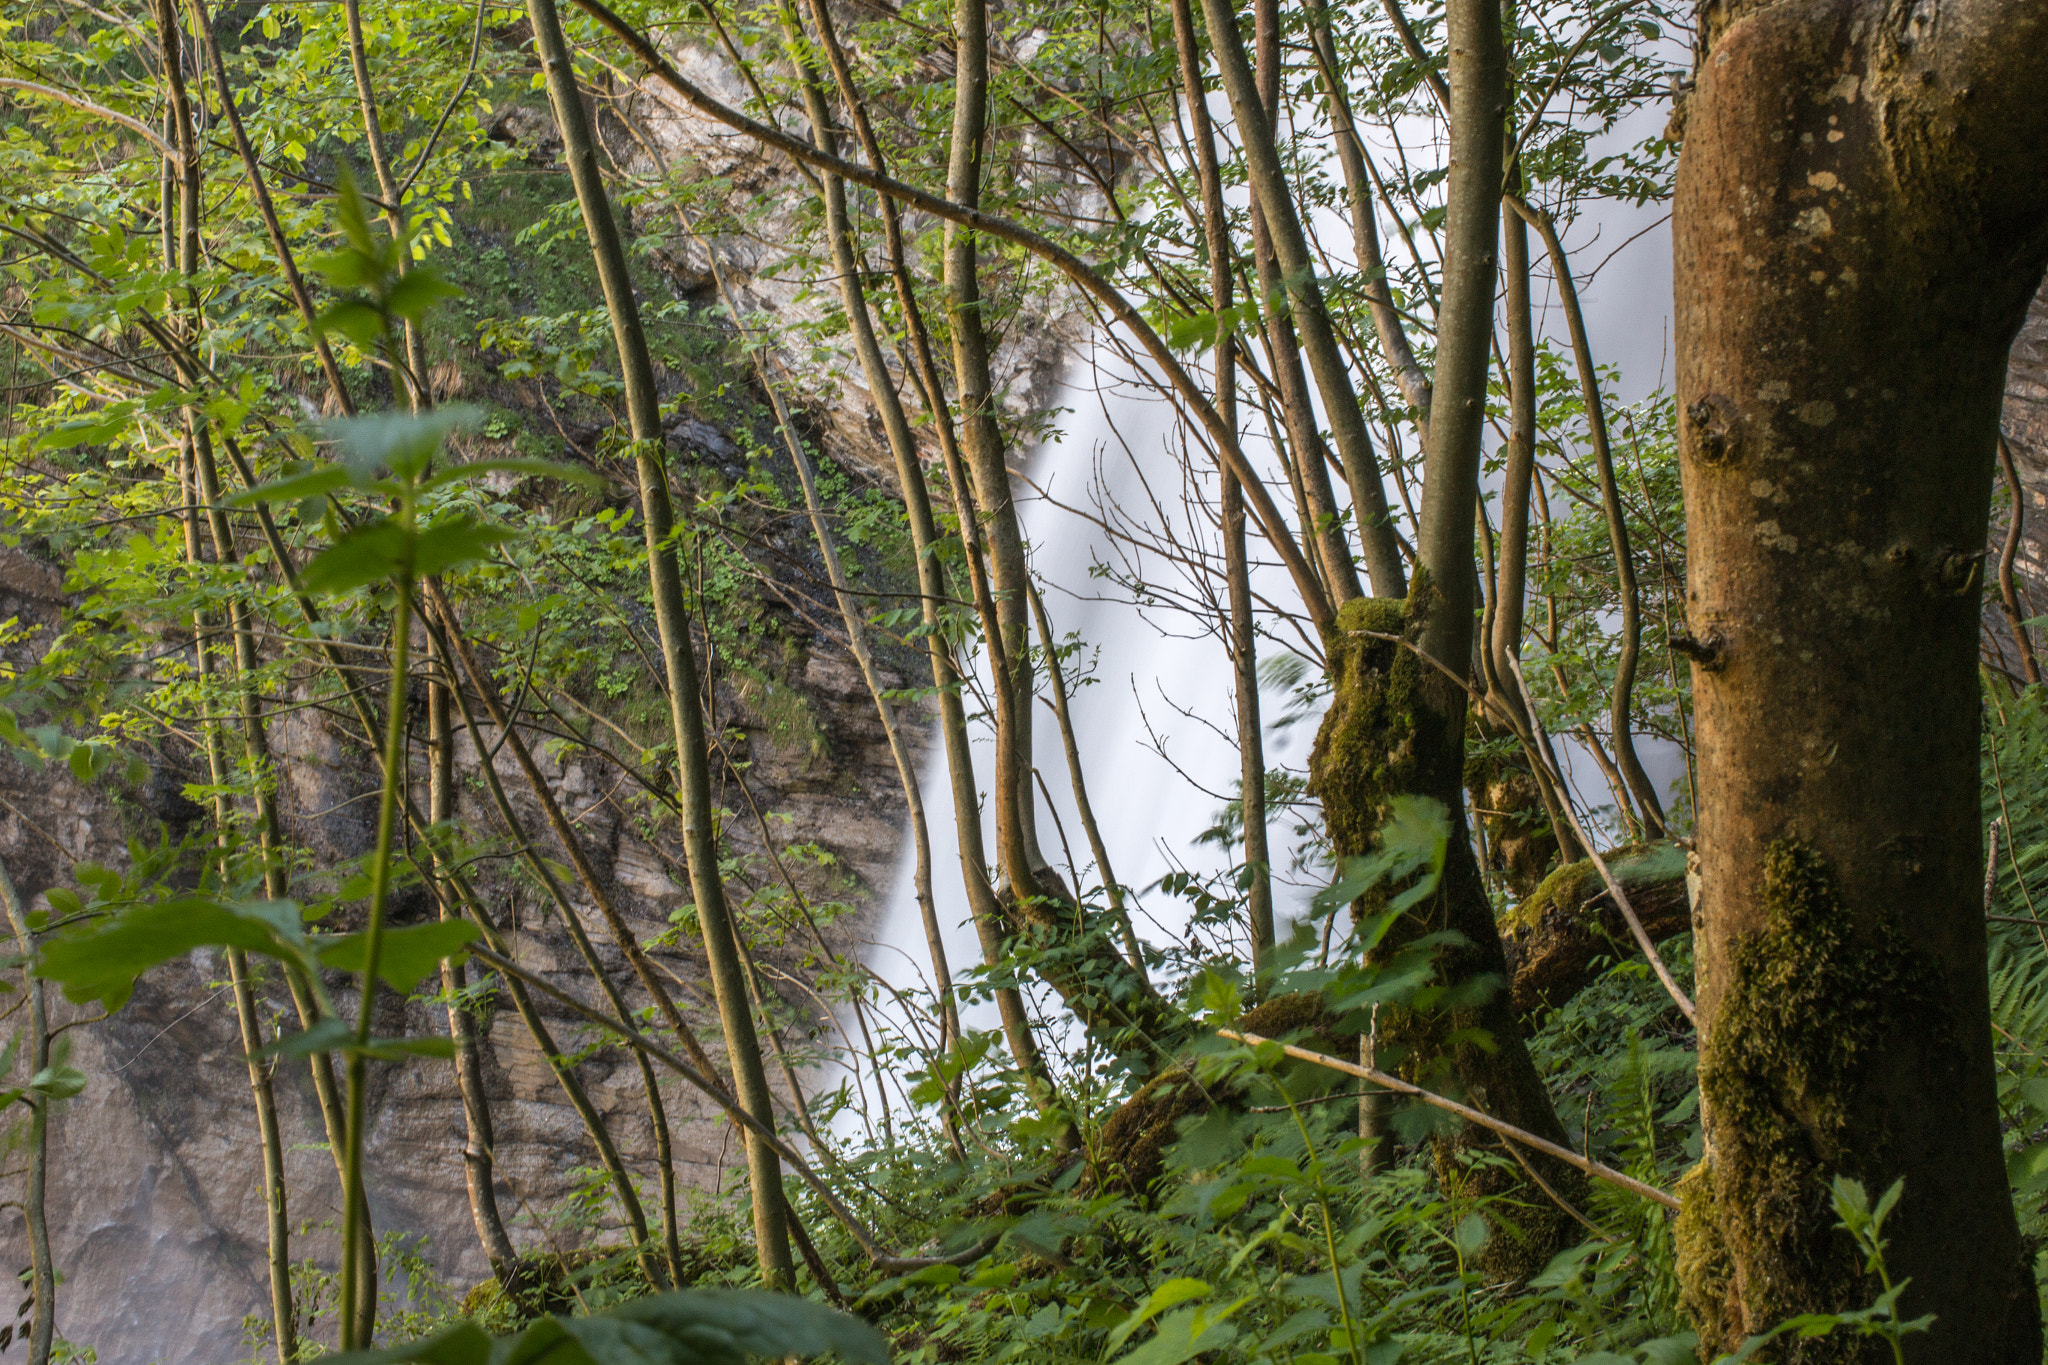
1467, 1113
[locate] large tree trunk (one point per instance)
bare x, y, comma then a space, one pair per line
1861, 217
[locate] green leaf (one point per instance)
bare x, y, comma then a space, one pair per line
458, 540
370, 553
58, 1082
313, 483
417, 291
358, 321
1183, 1336
325, 1035
694, 1327
1683, 1349
407, 954
1173, 1293
400, 441
398, 1049
100, 962
348, 268
463, 1344
354, 213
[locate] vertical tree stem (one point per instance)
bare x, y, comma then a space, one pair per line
42, 1269
678, 652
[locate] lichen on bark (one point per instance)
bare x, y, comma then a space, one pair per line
1812, 1000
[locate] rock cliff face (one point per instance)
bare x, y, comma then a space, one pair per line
156, 1203
156, 1206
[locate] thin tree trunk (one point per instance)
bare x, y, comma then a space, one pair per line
1861, 217
1237, 568
413, 380
986, 910
448, 640
1619, 718
204, 488
2008, 590
201, 490
1511, 574
917, 506
678, 653
42, 1268
1115, 891
1310, 313
479, 1148
1365, 237
1310, 472
983, 446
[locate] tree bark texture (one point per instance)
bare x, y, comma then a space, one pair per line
1861, 217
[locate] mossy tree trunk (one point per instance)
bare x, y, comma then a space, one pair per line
1396, 727
1861, 216
1397, 718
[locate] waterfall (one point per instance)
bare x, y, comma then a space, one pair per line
1161, 681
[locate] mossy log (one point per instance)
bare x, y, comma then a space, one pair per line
1130, 1155
1553, 938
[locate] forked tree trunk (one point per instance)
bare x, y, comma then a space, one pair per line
1861, 216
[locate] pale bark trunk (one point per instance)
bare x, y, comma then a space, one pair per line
714, 915
1861, 217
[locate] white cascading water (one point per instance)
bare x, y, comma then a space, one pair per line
1155, 727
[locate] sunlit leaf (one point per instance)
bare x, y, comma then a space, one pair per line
420, 289
406, 955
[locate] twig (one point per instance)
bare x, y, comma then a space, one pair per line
1467, 1113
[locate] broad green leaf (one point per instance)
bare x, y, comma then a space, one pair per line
400, 441
742, 1322
693, 1327
312, 483
420, 289
58, 1082
406, 955
540, 469
325, 1035
334, 1035
1683, 1349
1184, 1335
459, 540
100, 962
1174, 1292
354, 319
370, 553
354, 213
463, 1344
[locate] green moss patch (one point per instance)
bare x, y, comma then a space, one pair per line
1812, 1001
